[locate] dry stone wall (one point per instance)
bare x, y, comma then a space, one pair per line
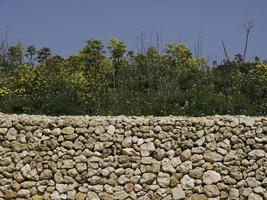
219, 157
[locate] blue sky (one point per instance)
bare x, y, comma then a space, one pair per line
65, 25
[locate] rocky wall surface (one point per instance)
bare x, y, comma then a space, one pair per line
82, 157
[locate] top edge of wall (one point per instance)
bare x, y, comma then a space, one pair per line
127, 116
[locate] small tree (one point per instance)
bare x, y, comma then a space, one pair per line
93, 55
43, 54
15, 55
117, 50
30, 53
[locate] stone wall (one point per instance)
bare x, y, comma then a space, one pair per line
219, 157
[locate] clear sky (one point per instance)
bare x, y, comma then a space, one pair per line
65, 25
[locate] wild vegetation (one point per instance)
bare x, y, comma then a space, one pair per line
114, 81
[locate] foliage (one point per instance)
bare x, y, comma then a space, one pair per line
112, 81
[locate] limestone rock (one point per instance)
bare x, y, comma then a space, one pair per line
147, 178
186, 155
55, 195
11, 134
187, 182
27, 184
178, 193
248, 121
167, 166
259, 190
127, 142
256, 154
21, 138
129, 187
10, 194
159, 154
105, 137
120, 195
99, 146
25, 170
46, 174
129, 152
3, 131
229, 180
252, 182
24, 193
18, 147
163, 179
67, 144
81, 167
92, 196
176, 161
147, 148
99, 130
185, 167
236, 175
56, 132
212, 156
58, 177
72, 172
231, 155
80, 196
254, 196
111, 129
68, 164
107, 171
233, 194
211, 191
196, 173
175, 179
5, 161
70, 137
18, 177
61, 188
210, 177
67, 130
123, 179
157, 129
196, 158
